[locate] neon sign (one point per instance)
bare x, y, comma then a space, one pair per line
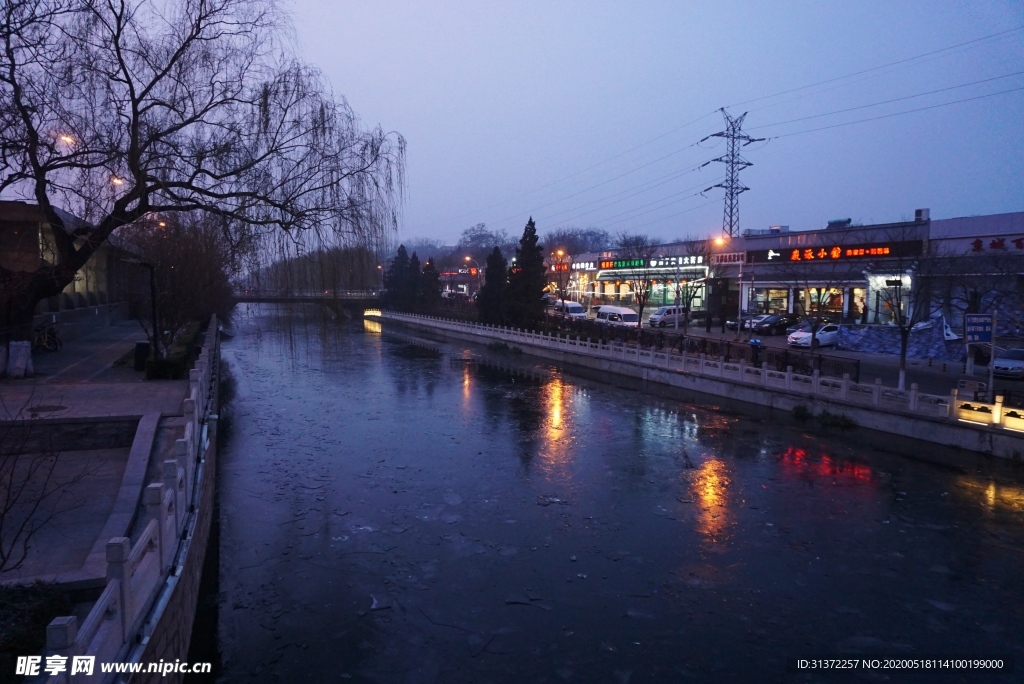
831, 253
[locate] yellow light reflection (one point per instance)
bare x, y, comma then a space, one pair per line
554, 457
992, 495
372, 327
710, 492
467, 390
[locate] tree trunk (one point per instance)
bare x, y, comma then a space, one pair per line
22, 290
904, 336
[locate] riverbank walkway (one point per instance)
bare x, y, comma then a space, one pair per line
80, 386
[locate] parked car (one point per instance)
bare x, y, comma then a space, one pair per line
668, 316
569, 309
747, 321
947, 332
776, 324
1010, 364
827, 335
618, 316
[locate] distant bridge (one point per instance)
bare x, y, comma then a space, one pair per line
338, 301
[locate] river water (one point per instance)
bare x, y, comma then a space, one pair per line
396, 509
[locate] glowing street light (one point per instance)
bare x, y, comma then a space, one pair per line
114, 180
67, 139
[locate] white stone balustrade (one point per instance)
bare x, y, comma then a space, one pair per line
843, 390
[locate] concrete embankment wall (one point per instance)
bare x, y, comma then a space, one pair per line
946, 431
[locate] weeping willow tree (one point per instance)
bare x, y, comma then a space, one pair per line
116, 112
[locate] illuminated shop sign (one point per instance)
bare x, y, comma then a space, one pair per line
607, 264
561, 268
584, 265
662, 262
657, 262
728, 258
835, 252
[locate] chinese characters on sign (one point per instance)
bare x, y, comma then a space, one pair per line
728, 258
834, 252
978, 328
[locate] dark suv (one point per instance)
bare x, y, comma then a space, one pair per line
775, 324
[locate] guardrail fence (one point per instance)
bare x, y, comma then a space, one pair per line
707, 358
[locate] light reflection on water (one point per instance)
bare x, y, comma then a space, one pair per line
450, 480
711, 491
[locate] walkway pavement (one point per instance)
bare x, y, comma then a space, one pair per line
101, 486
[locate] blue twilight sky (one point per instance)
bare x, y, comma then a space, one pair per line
587, 113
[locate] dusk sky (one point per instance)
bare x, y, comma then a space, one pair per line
587, 113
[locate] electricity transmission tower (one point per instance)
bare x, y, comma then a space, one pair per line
734, 163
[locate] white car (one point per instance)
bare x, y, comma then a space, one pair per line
947, 332
827, 335
748, 323
1010, 364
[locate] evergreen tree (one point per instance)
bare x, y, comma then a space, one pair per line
490, 302
395, 280
527, 279
413, 285
430, 290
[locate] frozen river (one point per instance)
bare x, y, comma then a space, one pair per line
399, 510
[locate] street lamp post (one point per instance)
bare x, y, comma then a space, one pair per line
478, 272
152, 301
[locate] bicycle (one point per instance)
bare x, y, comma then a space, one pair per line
46, 339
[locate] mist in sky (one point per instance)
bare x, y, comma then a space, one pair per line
590, 113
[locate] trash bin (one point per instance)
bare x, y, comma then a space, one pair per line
755, 352
141, 355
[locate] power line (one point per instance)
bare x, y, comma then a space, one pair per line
876, 104
615, 178
909, 111
632, 212
654, 183
589, 168
877, 68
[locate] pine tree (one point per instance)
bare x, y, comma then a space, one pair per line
413, 285
395, 279
490, 302
524, 307
430, 292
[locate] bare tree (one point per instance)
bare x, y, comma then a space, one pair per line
637, 251
37, 485
905, 280
821, 270
702, 251
191, 270
117, 110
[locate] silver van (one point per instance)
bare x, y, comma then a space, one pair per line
668, 316
569, 309
618, 316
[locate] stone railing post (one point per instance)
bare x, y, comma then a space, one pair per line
952, 403
153, 499
876, 392
997, 411
844, 389
118, 551
913, 399
815, 381
61, 638
764, 373
211, 427
789, 377
173, 484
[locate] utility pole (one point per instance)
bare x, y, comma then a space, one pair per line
734, 163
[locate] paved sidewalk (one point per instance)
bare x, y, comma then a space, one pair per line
105, 484
80, 381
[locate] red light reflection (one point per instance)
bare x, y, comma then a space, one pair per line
797, 461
